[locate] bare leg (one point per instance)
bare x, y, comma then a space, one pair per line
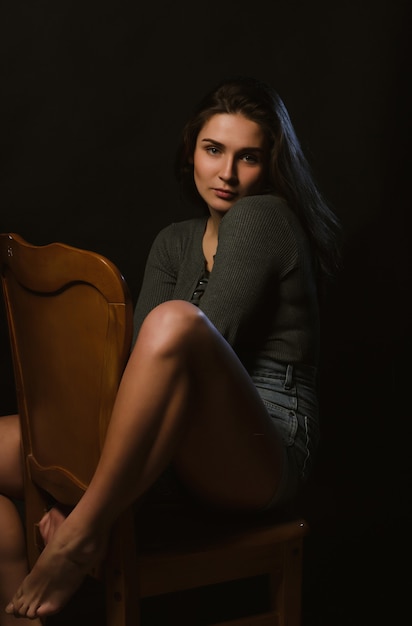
13, 563
184, 397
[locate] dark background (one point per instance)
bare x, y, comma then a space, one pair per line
93, 96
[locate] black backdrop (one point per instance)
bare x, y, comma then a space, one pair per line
93, 96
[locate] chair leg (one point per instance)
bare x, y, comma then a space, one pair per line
286, 590
121, 583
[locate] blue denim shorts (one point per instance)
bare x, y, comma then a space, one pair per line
289, 393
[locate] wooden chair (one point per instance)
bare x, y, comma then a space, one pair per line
70, 322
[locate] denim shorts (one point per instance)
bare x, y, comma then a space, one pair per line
289, 393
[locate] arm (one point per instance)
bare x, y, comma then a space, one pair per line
257, 247
159, 279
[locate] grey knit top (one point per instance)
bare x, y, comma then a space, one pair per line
261, 293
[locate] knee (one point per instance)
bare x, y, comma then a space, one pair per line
174, 325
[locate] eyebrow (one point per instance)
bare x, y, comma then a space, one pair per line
221, 145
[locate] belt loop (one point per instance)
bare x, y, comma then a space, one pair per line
289, 377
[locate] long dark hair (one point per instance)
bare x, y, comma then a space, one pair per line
289, 173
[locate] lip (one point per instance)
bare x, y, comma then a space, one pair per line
225, 194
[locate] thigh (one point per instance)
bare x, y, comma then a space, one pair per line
232, 454
11, 469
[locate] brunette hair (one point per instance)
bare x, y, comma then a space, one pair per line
288, 174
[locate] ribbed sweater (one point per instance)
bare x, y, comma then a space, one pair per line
261, 293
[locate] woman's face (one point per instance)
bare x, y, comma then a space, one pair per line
230, 160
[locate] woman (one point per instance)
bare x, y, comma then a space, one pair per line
221, 382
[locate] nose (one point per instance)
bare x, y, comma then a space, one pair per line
228, 172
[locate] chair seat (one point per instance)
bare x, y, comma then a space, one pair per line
213, 556
189, 550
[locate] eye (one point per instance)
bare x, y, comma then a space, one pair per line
212, 150
250, 158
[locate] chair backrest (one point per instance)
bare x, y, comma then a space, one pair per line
70, 321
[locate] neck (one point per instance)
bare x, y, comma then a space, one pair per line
214, 222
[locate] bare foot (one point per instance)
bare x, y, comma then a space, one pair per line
10, 620
57, 574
